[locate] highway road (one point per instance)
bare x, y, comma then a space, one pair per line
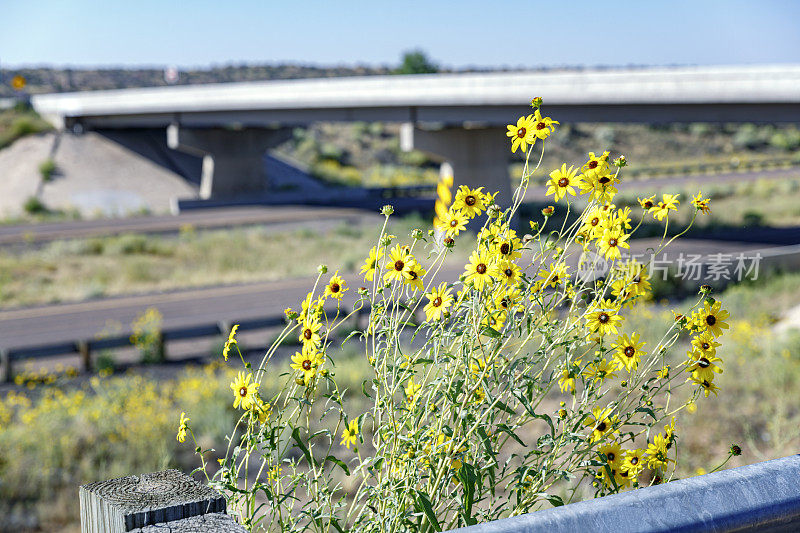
34, 326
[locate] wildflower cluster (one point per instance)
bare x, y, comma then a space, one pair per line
488, 393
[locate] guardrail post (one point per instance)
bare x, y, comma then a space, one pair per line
86, 355
5, 362
161, 347
162, 501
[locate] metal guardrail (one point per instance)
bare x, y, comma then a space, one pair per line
762, 497
87, 346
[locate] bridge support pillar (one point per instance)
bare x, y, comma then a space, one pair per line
233, 159
479, 157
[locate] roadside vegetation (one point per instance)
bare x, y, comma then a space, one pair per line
18, 122
76, 430
91, 268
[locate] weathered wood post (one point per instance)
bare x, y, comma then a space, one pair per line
166, 501
5, 362
86, 355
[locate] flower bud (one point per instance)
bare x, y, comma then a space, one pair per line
449, 242
735, 450
536, 103
548, 211
416, 233
362, 291
322, 269
387, 210
705, 289
620, 162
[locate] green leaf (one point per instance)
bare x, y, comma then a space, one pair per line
504, 407
302, 446
505, 429
338, 462
468, 478
489, 332
423, 503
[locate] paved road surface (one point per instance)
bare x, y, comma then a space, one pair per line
277, 216
26, 327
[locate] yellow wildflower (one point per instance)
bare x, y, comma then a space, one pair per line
350, 433
230, 342
522, 134
471, 202
371, 263
669, 202
182, 428
563, 181
336, 287
439, 300
244, 390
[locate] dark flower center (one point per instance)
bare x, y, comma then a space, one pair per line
307, 333
521, 132
648, 204
611, 456
413, 275
634, 461
399, 265
505, 248
703, 362
306, 364
711, 320
335, 287
453, 223
601, 426
243, 392
595, 221
592, 164
470, 200
480, 269
705, 346
603, 318
612, 242
563, 182
540, 125
437, 302
604, 180
629, 351
508, 272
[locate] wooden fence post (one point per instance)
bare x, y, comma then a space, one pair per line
86, 355
162, 501
5, 362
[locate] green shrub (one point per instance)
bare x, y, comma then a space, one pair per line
46, 169
34, 206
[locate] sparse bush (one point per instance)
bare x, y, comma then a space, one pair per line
46, 169
34, 206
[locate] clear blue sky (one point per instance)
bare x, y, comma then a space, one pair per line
454, 33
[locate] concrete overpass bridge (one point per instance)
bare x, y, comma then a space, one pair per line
457, 118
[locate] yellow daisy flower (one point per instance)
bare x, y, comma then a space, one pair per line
371, 263
183, 427
657, 453
628, 351
522, 134
439, 300
707, 386
508, 272
412, 393
602, 422
705, 344
634, 461
647, 203
471, 202
596, 165
602, 318
543, 126
350, 433
453, 222
307, 362
669, 202
397, 264
309, 334
479, 271
336, 287
566, 383
711, 318
414, 274
600, 370
563, 181
244, 391
701, 204
611, 243
555, 276
702, 366
230, 342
